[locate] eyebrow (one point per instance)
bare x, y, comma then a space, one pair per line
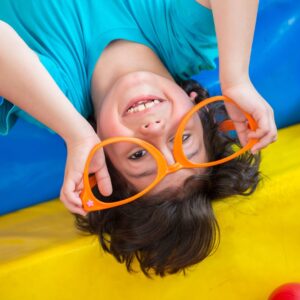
153, 171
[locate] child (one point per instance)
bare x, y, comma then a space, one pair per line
55, 55
174, 228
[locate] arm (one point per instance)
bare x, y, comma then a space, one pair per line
235, 22
27, 84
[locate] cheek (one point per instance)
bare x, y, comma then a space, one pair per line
110, 126
107, 127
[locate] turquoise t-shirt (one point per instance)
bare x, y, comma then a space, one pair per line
70, 35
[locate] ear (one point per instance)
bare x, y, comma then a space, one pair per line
193, 96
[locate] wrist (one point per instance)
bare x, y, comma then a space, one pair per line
231, 80
79, 131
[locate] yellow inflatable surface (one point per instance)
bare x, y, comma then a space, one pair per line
42, 256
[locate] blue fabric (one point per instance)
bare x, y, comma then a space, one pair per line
70, 35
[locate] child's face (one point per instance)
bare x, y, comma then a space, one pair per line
156, 124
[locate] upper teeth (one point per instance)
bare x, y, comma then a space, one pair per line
142, 106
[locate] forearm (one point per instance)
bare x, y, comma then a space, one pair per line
234, 22
26, 83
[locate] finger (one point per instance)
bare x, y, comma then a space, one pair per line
102, 174
258, 134
74, 209
80, 186
264, 126
77, 210
104, 181
69, 193
240, 122
274, 132
71, 207
264, 142
97, 162
242, 132
266, 136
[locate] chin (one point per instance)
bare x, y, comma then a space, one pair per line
135, 78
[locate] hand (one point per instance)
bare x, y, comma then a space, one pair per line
246, 96
77, 154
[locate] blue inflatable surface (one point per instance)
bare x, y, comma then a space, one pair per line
275, 60
32, 159
32, 162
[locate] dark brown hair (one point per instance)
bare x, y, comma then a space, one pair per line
169, 232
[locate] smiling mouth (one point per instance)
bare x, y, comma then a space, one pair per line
142, 104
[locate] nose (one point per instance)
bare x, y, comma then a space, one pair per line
153, 127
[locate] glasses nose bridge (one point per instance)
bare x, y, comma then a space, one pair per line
174, 167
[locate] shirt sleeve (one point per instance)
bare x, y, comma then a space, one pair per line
181, 32
7, 118
194, 38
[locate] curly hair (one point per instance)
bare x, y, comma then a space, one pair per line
171, 231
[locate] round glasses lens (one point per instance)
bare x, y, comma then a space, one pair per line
131, 167
210, 133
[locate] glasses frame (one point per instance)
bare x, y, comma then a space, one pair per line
91, 203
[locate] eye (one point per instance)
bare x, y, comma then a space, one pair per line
137, 155
185, 137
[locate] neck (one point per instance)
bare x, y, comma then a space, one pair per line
118, 59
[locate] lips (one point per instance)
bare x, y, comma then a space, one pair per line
143, 103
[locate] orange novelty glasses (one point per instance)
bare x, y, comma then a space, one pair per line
92, 202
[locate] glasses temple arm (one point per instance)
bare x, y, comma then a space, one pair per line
92, 180
227, 125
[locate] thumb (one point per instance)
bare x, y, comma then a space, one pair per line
104, 181
98, 166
